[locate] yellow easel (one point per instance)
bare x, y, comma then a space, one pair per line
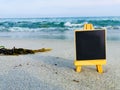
98, 62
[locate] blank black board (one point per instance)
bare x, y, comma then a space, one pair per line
90, 45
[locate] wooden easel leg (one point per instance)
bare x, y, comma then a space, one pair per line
78, 68
99, 68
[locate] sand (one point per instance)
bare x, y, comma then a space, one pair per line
54, 70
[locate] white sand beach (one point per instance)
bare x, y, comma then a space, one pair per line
54, 70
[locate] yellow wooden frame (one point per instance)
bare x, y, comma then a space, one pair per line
97, 62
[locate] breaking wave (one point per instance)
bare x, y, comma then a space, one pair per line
59, 26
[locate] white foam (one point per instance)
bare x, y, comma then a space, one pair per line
19, 29
68, 24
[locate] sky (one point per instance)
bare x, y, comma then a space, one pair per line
58, 8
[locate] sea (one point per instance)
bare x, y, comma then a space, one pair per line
56, 27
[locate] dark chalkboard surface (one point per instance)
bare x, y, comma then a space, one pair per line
90, 45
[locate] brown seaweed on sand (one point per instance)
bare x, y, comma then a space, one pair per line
20, 51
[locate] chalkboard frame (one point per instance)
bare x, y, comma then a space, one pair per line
89, 61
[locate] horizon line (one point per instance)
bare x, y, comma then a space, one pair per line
57, 17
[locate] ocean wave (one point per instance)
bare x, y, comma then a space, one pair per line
22, 29
57, 24
52, 29
58, 28
60, 22
105, 23
29, 24
68, 24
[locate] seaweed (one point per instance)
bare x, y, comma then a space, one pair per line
20, 51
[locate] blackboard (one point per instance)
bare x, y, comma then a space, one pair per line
90, 45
